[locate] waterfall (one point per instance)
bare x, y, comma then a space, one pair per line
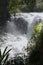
17, 32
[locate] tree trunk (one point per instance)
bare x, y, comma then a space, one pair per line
3, 10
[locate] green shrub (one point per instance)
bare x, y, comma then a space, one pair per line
35, 56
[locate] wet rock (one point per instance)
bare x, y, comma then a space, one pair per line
21, 25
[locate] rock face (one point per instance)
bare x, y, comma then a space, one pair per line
21, 25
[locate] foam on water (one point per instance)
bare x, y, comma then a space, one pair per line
14, 42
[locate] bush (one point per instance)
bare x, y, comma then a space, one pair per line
35, 56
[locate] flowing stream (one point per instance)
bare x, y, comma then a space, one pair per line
16, 33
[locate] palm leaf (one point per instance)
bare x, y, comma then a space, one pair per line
0, 52
0, 56
5, 54
6, 58
5, 50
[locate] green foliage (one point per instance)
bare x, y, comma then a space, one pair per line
39, 5
16, 5
4, 57
35, 56
15, 61
13, 6
37, 34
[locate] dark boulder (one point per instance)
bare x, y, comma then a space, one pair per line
21, 25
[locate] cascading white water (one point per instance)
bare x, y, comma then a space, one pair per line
12, 37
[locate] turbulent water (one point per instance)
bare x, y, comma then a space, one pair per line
16, 33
